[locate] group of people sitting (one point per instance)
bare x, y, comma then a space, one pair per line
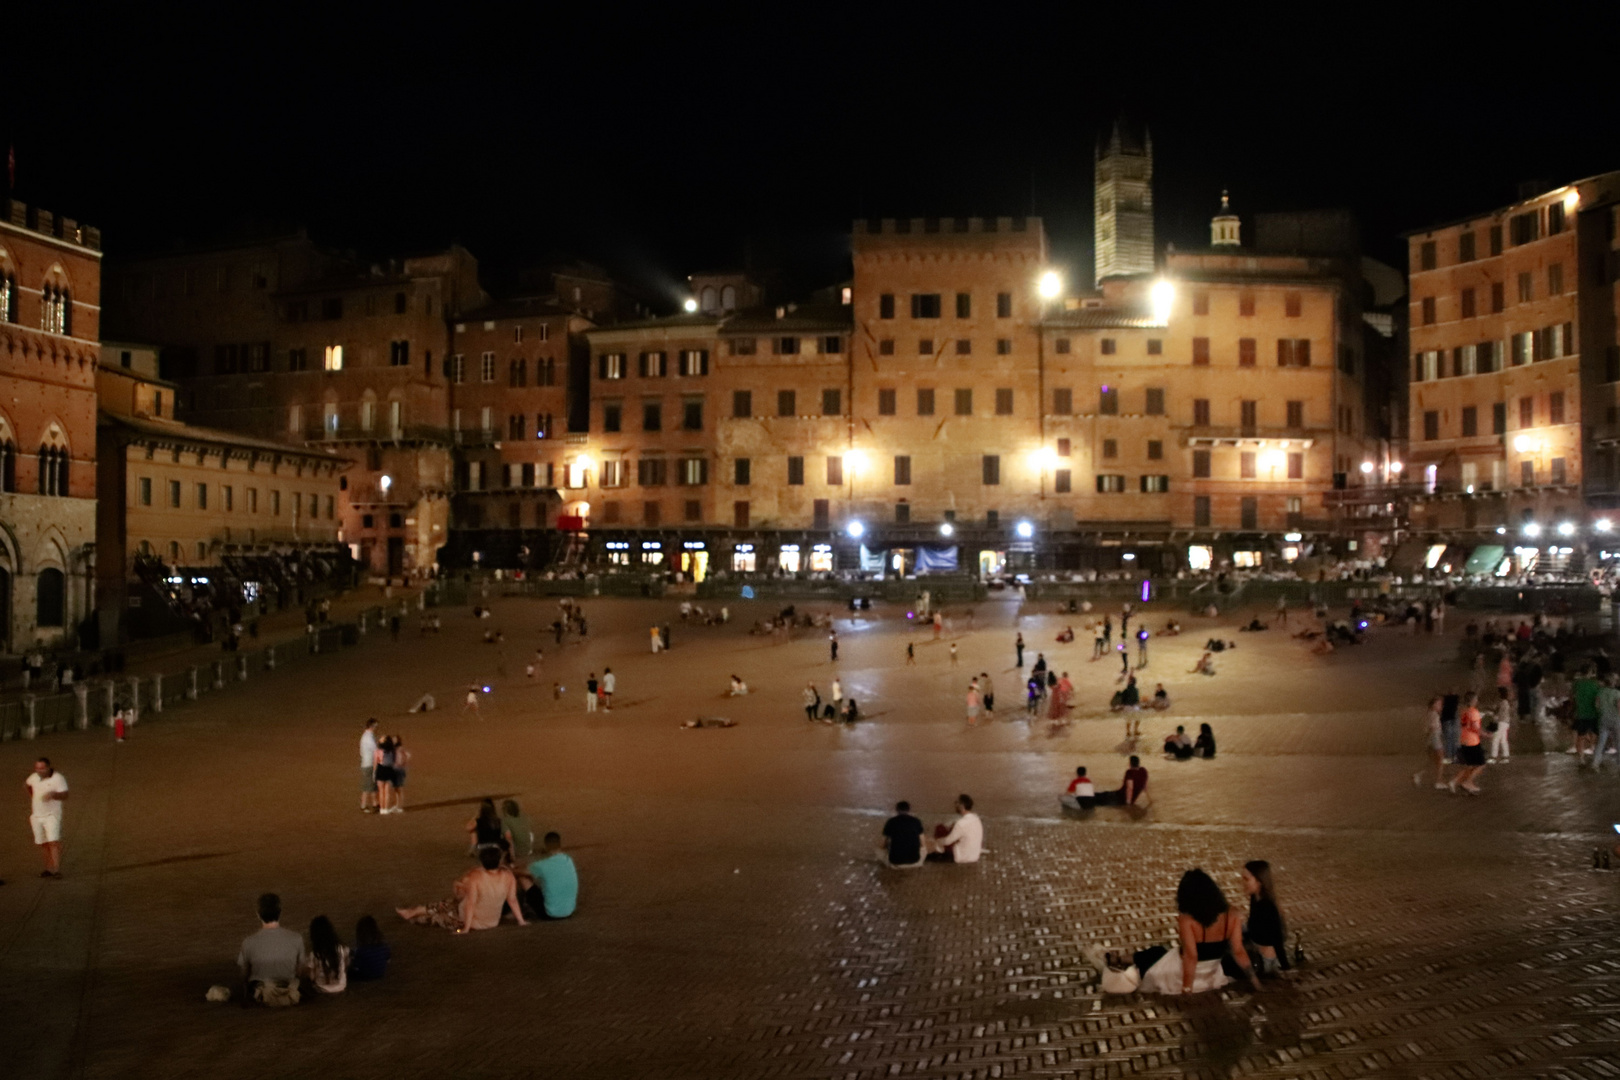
276, 965
1180, 747
1082, 794
696, 613
1130, 697
904, 844
501, 883
1213, 945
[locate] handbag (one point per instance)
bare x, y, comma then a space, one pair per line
1127, 981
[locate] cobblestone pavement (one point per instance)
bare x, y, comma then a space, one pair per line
734, 922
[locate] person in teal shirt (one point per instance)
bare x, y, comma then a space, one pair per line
1586, 713
555, 891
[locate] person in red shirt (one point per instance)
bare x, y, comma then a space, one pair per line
1081, 794
1136, 779
1470, 746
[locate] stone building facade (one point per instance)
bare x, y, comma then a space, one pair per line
50, 322
287, 342
1515, 379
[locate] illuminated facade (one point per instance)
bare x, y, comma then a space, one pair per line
1515, 395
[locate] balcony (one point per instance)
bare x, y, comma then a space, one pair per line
1236, 435
354, 433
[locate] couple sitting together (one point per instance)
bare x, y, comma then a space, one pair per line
904, 846
548, 890
1082, 794
1180, 747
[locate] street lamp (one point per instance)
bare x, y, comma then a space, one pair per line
1050, 286
855, 529
1024, 529
690, 305
947, 529
1163, 297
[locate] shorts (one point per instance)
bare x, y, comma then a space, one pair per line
368, 780
1436, 743
399, 777
385, 774
1585, 725
1471, 755
47, 828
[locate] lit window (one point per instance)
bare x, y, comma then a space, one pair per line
334, 358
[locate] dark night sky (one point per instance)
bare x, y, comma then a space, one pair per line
664, 143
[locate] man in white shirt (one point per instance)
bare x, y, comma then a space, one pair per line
368, 767
609, 681
49, 789
964, 843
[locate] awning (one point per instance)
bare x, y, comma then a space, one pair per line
1408, 557
1485, 559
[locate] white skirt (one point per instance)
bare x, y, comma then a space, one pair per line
1164, 977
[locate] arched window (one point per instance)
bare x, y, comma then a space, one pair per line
53, 471
707, 303
8, 466
64, 313
50, 597
62, 460
174, 553
728, 298
8, 298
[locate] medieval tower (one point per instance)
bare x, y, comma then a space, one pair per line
1124, 205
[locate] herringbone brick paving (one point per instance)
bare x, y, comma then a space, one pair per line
733, 921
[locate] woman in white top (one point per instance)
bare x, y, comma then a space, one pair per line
326, 965
1208, 931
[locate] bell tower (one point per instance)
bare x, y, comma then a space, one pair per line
1124, 204
1225, 228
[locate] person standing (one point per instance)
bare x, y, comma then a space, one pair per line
657, 640
1449, 704
368, 767
939, 624
1434, 729
837, 696
812, 701
911, 654
1470, 751
953, 654
472, 702
1032, 689
1585, 694
1108, 632
402, 767
591, 686
609, 680
1282, 610
1018, 645
987, 690
48, 789
974, 703
1503, 721
666, 637
1141, 647
832, 645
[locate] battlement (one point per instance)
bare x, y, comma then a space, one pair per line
45, 223
926, 225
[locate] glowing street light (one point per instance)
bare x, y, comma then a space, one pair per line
856, 460
1044, 458
1163, 296
947, 529
1024, 529
855, 529
1531, 529
1396, 467
1526, 444
385, 483
1566, 528
1602, 525
1366, 468
1050, 285
690, 305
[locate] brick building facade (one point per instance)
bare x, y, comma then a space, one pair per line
50, 322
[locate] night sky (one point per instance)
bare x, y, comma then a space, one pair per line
660, 142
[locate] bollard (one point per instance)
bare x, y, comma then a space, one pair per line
81, 717
361, 623
219, 674
191, 684
314, 641
241, 668
134, 698
157, 693
30, 729
270, 658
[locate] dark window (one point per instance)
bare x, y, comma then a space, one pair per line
886, 403
651, 472
1003, 346
835, 470
1499, 418
1523, 228
1155, 347
1470, 421
925, 346
1555, 219
1200, 350
1249, 510
1527, 412
1062, 481
692, 415
1155, 401
1296, 414
1498, 297
1426, 255
1527, 473
1155, 485
1245, 304
1496, 239
1249, 412
1004, 402
925, 402
1004, 305
1061, 345
743, 346
399, 355
739, 515
1106, 346
925, 305
399, 303
1296, 466
1201, 412
1527, 287
902, 513
1247, 352
1293, 352
1555, 279
612, 417
1155, 450
992, 469
964, 305
742, 404
964, 402
1201, 464
785, 346
1558, 472
651, 513
832, 403
1062, 402
821, 512
1110, 448
652, 416
1108, 401
902, 469
831, 345
795, 475
515, 426
1246, 464
1431, 425
50, 607
742, 471
786, 405
1201, 511
1555, 407
886, 306
694, 510
886, 347
1292, 305
1468, 303
1465, 247
1200, 303
1063, 447
1108, 484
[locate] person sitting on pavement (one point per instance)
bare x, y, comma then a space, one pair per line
480, 895
1171, 629
516, 830
271, 958
1265, 935
1179, 745
1161, 698
1135, 783
1204, 745
485, 831
738, 687
963, 842
902, 845
852, 712
326, 964
1205, 666
552, 890
369, 958
1066, 636
1208, 933
1081, 793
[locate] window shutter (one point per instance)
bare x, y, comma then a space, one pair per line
703, 363
1282, 352
601, 366
641, 365
1302, 352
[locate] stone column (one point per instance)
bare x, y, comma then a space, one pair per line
157, 693
219, 674
191, 684
361, 623
30, 728
81, 717
110, 691
241, 668
270, 658
134, 698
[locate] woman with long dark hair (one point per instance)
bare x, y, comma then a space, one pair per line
327, 965
371, 953
1264, 933
1207, 931
484, 831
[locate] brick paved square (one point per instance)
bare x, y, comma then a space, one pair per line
733, 921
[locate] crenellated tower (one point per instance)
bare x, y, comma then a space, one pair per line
1124, 204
